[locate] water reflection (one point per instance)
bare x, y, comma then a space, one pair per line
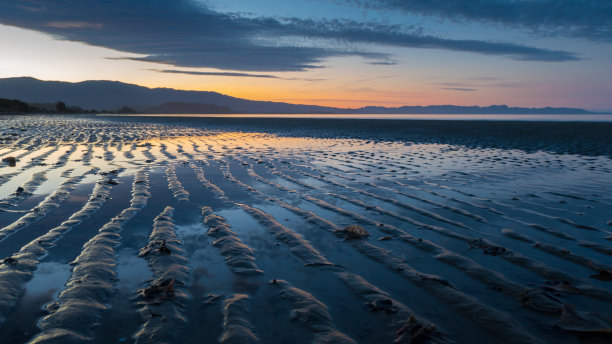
465, 117
132, 271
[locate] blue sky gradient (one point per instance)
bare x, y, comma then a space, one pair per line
415, 52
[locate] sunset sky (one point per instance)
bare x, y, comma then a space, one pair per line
346, 53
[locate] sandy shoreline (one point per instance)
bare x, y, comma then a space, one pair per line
586, 138
232, 230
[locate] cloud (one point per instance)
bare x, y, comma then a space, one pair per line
459, 89
391, 36
73, 24
185, 33
480, 82
382, 63
191, 72
142, 59
590, 19
305, 79
246, 75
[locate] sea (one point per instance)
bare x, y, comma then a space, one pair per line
463, 117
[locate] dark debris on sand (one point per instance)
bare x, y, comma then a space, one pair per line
355, 232
160, 289
10, 160
414, 332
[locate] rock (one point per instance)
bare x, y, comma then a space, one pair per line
488, 248
355, 232
152, 248
603, 275
385, 305
159, 289
211, 298
10, 160
109, 172
163, 249
413, 332
9, 260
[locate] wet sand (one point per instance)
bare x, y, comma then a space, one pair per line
233, 230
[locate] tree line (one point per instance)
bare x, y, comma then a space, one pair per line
15, 106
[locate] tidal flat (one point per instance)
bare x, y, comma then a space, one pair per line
271, 230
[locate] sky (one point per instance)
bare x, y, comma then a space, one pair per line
346, 53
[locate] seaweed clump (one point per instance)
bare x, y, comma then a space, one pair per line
162, 289
10, 160
413, 332
355, 232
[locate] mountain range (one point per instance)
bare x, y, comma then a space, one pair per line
102, 94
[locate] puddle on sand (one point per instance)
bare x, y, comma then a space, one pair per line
122, 317
42, 289
132, 271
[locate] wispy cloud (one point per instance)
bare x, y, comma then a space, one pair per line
382, 63
459, 89
479, 83
591, 19
306, 79
233, 74
393, 36
73, 25
191, 72
143, 59
185, 33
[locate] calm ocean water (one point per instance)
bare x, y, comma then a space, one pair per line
464, 117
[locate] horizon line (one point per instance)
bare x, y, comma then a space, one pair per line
597, 111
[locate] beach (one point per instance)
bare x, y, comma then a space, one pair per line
120, 229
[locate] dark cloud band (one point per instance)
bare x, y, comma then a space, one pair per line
183, 33
591, 19
191, 72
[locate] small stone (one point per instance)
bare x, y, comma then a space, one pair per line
10, 160
603, 275
9, 260
163, 249
211, 298
355, 232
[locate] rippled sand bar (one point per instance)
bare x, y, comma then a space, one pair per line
239, 230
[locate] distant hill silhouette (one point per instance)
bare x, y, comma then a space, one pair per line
102, 94
454, 109
113, 95
187, 108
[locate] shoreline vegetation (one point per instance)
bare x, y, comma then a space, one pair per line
17, 107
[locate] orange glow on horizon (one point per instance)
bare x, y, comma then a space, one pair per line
324, 95
321, 95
